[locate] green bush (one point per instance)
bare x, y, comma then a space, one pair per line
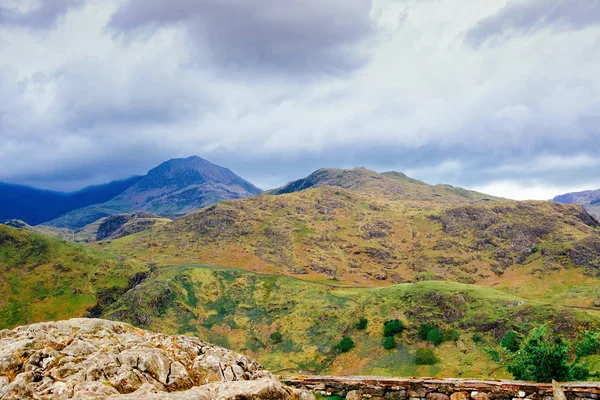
476, 338
511, 341
435, 336
389, 343
425, 357
543, 357
276, 337
589, 345
362, 324
451, 335
345, 344
424, 330
393, 327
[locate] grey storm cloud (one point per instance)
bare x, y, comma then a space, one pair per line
310, 36
42, 16
275, 90
520, 17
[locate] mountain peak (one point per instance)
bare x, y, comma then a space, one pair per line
174, 187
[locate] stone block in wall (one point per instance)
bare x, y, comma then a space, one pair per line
437, 396
460, 396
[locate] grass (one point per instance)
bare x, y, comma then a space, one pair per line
43, 278
240, 310
370, 238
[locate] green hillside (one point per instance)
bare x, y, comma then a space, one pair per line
44, 278
536, 249
242, 311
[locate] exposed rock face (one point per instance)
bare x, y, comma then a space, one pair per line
100, 359
113, 227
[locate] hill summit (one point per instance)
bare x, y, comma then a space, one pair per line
175, 187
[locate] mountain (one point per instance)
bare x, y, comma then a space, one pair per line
589, 199
392, 185
175, 187
36, 206
385, 230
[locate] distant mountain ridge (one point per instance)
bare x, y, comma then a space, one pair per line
36, 206
589, 199
393, 185
173, 188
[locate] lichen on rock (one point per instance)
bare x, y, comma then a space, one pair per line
99, 359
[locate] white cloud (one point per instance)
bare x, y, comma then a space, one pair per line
76, 96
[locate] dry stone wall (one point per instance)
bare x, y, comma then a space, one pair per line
377, 388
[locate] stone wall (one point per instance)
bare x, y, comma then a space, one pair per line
378, 388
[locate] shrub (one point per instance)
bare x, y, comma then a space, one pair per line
391, 328
589, 345
435, 336
476, 338
424, 330
451, 335
511, 341
425, 357
362, 323
276, 337
345, 344
543, 357
389, 343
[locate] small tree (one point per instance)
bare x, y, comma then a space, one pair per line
345, 344
389, 343
511, 341
425, 357
393, 327
424, 330
435, 336
362, 324
543, 357
276, 337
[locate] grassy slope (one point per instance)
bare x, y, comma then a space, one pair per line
240, 310
361, 238
43, 278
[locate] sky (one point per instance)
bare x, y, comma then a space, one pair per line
501, 96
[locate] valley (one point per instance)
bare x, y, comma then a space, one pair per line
285, 276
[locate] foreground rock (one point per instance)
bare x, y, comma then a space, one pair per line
99, 359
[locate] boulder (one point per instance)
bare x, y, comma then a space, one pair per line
89, 359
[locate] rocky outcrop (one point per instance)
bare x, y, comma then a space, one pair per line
99, 359
116, 226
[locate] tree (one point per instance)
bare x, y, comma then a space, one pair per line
345, 344
276, 337
425, 357
424, 330
389, 343
543, 357
435, 336
511, 341
391, 328
362, 324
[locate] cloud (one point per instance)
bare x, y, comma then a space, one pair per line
79, 105
521, 17
41, 14
311, 36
